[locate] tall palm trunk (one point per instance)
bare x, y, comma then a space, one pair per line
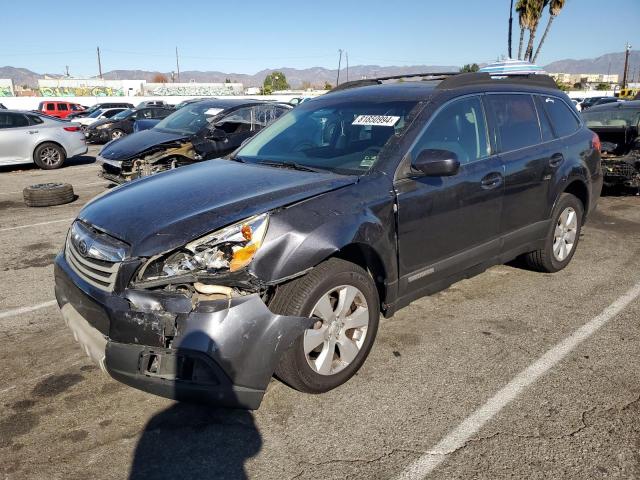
521, 43
532, 36
544, 36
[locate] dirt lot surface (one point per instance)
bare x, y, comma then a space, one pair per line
433, 365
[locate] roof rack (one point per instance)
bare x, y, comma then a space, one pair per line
378, 80
479, 78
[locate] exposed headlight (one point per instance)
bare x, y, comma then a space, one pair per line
103, 126
229, 249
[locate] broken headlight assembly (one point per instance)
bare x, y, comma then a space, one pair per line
227, 250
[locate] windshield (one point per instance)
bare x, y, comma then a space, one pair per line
612, 117
189, 119
95, 114
344, 138
123, 114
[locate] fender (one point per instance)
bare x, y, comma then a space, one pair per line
304, 234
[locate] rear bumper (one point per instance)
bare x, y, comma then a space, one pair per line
221, 352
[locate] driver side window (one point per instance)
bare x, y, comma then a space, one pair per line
460, 127
238, 121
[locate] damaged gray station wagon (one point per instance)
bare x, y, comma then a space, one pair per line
204, 282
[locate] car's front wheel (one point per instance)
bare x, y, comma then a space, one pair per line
116, 134
343, 299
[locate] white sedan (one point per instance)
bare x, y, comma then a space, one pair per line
99, 114
27, 137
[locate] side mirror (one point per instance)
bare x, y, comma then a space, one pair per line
217, 135
436, 163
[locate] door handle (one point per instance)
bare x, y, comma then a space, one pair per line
556, 159
31, 132
491, 180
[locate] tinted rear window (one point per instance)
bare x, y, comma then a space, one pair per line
516, 120
545, 123
563, 120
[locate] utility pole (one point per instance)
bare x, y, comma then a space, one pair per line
99, 63
339, 63
626, 64
510, 27
66, 67
347, 55
177, 65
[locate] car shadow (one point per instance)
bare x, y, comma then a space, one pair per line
69, 162
196, 440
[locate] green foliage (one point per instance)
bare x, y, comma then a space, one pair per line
563, 86
275, 81
470, 67
603, 86
327, 86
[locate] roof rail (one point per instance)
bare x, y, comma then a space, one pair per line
378, 80
478, 78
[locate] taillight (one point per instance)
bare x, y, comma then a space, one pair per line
72, 129
595, 142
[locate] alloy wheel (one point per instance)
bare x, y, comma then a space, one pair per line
564, 237
339, 333
50, 156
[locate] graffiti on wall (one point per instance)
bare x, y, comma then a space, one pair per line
81, 92
6, 92
193, 90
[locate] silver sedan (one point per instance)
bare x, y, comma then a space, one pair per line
27, 137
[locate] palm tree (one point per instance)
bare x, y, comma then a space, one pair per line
522, 7
536, 8
554, 9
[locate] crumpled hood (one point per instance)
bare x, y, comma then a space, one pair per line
168, 210
132, 145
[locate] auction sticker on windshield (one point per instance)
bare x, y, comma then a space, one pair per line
376, 120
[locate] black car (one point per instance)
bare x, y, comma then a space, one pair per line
198, 131
618, 126
593, 101
99, 106
202, 282
122, 124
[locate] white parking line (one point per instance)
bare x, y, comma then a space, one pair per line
35, 224
458, 437
32, 308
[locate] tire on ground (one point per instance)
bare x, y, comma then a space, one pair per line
543, 259
298, 298
48, 194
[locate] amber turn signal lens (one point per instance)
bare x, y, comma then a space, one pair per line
242, 257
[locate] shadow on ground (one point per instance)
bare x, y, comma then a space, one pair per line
69, 162
196, 441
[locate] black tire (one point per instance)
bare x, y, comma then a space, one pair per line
299, 297
49, 156
48, 194
544, 259
116, 133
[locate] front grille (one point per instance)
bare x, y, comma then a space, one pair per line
99, 273
620, 169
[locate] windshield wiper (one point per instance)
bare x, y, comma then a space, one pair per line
236, 158
290, 165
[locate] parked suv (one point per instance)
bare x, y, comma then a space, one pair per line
121, 124
204, 281
100, 106
59, 109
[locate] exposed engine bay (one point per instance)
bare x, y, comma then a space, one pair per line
620, 150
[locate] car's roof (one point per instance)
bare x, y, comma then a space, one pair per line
387, 91
628, 104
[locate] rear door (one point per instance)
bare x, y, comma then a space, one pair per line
63, 110
449, 224
15, 137
527, 160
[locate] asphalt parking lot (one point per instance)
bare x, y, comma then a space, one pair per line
491, 378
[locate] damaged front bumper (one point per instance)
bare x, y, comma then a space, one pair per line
222, 352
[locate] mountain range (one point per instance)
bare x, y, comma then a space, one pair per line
609, 63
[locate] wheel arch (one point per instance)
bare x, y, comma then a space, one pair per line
578, 188
42, 142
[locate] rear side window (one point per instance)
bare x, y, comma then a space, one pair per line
62, 106
563, 120
110, 113
460, 128
516, 120
34, 120
545, 124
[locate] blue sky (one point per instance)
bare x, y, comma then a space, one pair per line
247, 36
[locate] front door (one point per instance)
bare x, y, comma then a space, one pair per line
449, 224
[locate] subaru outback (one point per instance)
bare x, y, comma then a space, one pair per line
204, 282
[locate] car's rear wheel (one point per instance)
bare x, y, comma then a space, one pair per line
116, 134
343, 299
562, 238
49, 156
